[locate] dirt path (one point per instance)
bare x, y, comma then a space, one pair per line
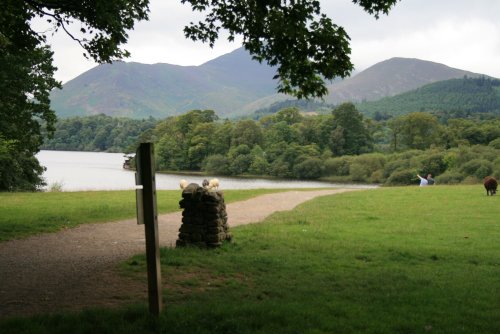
76, 268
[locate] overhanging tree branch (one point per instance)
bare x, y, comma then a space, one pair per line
60, 22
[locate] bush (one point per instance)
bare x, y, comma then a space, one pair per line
471, 180
465, 154
395, 165
450, 177
402, 177
495, 143
337, 166
478, 168
450, 158
484, 171
311, 168
377, 176
487, 152
359, 172
279, 168
370, 162
434, 164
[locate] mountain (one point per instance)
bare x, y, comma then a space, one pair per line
387, 78
140, 90
461, 96
391, 77
233, 85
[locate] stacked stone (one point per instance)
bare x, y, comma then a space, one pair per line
204, 218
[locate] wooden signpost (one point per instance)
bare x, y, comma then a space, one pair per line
147, 215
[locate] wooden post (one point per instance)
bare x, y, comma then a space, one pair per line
147, 211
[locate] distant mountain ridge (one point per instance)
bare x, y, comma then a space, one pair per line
391, 77
140, 90
233, 85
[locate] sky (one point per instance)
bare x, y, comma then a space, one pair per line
463, 34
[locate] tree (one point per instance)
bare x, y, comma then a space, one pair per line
26, 78
420, 130
26, 71
396, 125
289, 116
200, 144
247, 132
350, 136
280, 132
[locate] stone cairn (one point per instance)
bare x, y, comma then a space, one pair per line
204, 218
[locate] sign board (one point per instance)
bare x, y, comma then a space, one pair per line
147, 215
139, 201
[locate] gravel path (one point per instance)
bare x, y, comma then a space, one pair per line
76, 268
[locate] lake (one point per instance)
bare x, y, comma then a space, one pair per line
77, 171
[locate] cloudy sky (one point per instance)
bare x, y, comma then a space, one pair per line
459, 33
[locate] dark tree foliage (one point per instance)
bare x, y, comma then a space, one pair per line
26, 78
295, 36
466, 97
350, 131
99, 133
26, 71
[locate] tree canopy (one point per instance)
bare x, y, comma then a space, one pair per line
295, 36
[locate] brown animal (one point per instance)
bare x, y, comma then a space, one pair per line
491, 185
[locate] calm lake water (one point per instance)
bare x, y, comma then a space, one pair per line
104, 171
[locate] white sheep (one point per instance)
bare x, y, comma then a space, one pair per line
213, 184
183, 184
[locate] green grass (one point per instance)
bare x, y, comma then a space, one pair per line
391, 260
25, 214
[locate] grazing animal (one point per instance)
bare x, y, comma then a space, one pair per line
183, 184
213, 184
205, 183
490, 184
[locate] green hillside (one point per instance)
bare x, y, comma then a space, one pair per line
466, 95
159, 90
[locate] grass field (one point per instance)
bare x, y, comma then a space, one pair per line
25, 214
391, 260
